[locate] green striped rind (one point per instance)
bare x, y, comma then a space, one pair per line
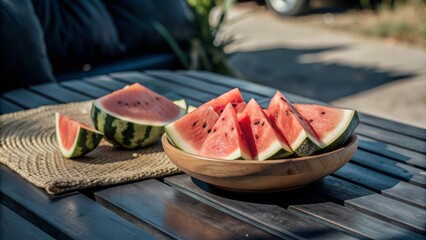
280, 154
85, 142
124, 134
306, 148
353, 124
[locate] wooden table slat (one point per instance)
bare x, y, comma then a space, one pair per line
27, 99
371, 203
84, 88
393, 152
176, 214
13, 226
58, 93
72, 216
8, 107
387, 186
268, 92
106, 82
349, 220
390, 167
382, 135
258, 211
198, 85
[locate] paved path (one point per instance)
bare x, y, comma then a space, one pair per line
372, 76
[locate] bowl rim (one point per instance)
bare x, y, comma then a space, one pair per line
353, 139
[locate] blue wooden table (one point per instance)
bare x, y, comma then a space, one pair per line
379, 194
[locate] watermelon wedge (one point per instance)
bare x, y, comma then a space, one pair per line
189, 132
292, 126
75, 138
134, 116
233, 96
190, 138
332, 126
226, 140
263, 140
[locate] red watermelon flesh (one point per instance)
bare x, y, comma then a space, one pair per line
138, 104
189, 132
333, 126
226, 140
233, 96
262, 138
292, 127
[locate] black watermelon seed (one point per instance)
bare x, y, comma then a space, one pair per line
119, 102
311, 120
157, 98
214, 130
256, 123
208, 131
282, 99
322, 113
263, 123
300, 118
232, 129
257, 137
286, 112
234, 105
195, 123
221, 111
223, 119
126, 104
204, 125
276, 114
139, 103
226, 135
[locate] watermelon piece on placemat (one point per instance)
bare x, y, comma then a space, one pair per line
134, 116
226, 140
332, 126
292, 127
75, 138
262, 138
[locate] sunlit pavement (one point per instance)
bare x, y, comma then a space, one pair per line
373, 76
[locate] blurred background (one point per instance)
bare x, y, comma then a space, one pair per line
366, 55
369, 55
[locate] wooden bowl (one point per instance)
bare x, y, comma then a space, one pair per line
258, 176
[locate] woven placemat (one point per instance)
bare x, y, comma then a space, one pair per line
28, 146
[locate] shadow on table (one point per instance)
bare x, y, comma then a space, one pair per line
305, 72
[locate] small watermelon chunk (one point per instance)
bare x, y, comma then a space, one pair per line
134, 117
233, 96
189, 132
333, 126
292, 126
75, 138
226, 140
262, 137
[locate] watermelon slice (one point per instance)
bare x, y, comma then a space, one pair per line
332, 126
134, 116
233, 96
292, 126
226, 140
75, 138
262, 138
189, 132
190, 138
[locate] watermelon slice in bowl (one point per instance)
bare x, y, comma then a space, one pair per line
262, 137
226, 140
332, 126
133, 117
292, 127
189, 132
75, 138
